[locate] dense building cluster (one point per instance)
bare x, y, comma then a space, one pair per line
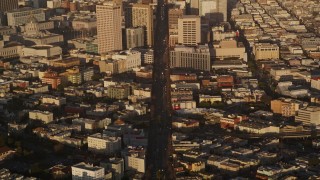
76, 83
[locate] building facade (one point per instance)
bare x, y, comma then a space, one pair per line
22, 16
189, 32
191, 57
8, 5
109, 27
309, 116
43, 116
214, 10
83, 171
266, 51
141, 15
135, 37
99, 143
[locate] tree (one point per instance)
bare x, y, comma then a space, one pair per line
205, 104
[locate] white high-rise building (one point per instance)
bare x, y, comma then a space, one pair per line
109, 27
83, 171
189, 30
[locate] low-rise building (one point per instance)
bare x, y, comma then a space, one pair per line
44, 116
102, 144
256, 127
54, 100
118, 91
83, 171
309, 116
135, 159
285, 106
264, 51
190, 57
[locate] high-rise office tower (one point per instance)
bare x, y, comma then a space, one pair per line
214, 10
7, 5
134, 37
141, 15
189, 30
174, 14
159, 160
109, 27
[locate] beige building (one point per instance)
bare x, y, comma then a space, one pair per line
33, 32
21, 16
131, 57
73, 75
191, 57
208, 98
266, 51
83, 171
213, 10
135, 159
42, 50
135, 37
141, 15
7, 5
174, 15
109, 24
53, 100
227, 49
10, 49
309, 115
285, 106
148, 57
6, 30
84, 24
44, 116
315, 83
118, 91
102, 144
277, 73
189, 30
34, 26
113, 66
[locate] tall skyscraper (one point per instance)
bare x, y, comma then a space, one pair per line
214, 10
134, 37
159, 152
109, 27
7, 5
189, 32
174, 14
141, 15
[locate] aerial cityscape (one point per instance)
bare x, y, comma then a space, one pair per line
159, 89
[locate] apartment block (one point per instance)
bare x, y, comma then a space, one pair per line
191, 57
264, 51
285, 106
83, 171
189, 30
309, 116
44, 116
99, 143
